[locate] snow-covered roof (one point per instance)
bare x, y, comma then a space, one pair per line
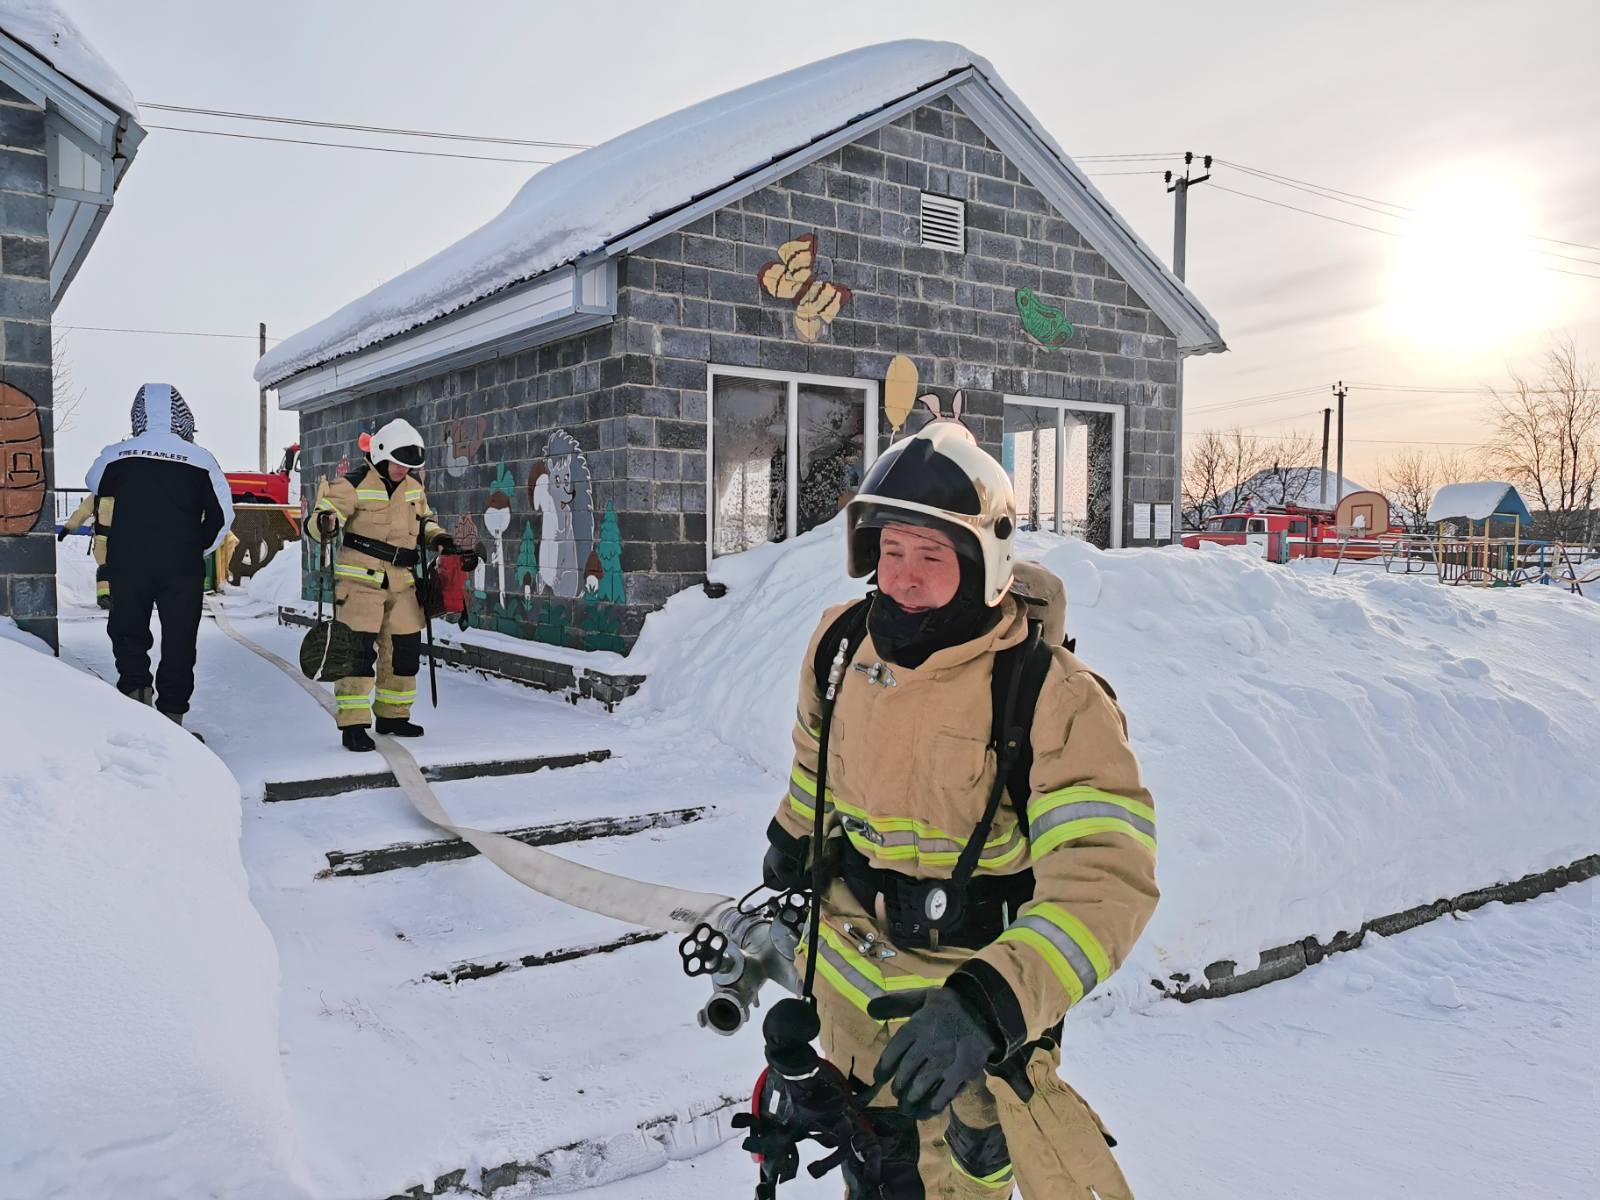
587, 203
1293, 485
41, 26
1476, 502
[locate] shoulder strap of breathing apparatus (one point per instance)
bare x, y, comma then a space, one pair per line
1029, 661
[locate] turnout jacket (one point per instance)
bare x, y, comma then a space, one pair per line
369, 506
909, 773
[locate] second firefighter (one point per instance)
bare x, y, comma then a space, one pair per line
381, 517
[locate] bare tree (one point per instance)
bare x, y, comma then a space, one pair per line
1411, 477
1225, 471
65, 396
1546, 441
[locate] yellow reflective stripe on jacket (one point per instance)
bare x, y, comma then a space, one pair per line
856, 977
1070, 813
898, 839
371, 494
815, 734
1003, 1178
366, 574
803, 794
1073, 954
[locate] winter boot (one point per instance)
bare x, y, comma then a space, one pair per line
144, 695
398, 727
356, 737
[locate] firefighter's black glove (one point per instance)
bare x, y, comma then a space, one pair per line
62, 536
445, 544
327, 524
944, 1046
786, 866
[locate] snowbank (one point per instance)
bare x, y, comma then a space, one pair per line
1322, 749
48, 32
140, 1036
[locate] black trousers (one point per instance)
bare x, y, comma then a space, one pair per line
178, 600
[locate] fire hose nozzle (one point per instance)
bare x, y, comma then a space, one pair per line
750, 949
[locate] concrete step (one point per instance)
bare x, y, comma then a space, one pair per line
415, 854
334, 785
464, 971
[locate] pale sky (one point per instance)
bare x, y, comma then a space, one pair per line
1484, 116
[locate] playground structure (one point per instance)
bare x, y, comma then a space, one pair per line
1479, 541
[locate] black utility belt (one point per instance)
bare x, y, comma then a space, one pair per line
915, 908
400, 556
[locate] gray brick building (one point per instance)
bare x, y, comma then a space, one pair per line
714, 364
65, 141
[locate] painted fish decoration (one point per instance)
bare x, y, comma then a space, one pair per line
1043, 324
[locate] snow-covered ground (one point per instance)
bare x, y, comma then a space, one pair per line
138, 986
1322, 750
1453, 1062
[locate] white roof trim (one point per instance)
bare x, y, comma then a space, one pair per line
42, 82
74, 223
558, 304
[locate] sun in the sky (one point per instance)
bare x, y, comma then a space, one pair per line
1465, 276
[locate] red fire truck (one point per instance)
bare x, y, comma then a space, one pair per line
281, 486
1285, 531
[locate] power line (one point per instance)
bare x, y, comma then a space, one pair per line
1246, 401
1322, 189
1394, 233
423, 133
249, 337
1267, 437
259, 137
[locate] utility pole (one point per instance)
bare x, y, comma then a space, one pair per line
1179, 188
1338, 485
1322, 494
263, 398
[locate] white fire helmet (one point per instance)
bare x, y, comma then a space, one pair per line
398, 441
942, 479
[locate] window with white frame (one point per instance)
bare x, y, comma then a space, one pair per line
786, 452
1063, 485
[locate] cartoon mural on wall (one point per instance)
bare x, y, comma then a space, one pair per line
22, 481
899, 392
562, 497
1042, 324
466, 534
609, 552
900, 400
462, 443
793, 277
527, 572
497, 519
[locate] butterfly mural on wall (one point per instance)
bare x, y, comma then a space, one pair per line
793, 277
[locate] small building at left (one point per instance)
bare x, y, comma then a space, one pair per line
69, 130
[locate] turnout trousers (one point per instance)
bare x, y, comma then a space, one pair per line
387, 621
178, 600
1024, 1129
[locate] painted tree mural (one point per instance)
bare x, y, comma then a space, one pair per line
609, 551
527, 573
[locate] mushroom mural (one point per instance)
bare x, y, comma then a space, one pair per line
497, 519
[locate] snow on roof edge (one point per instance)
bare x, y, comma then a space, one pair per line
646, 174
1475, 501
48, 32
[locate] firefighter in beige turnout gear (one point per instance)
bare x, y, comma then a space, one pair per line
964, 1022
380, 515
